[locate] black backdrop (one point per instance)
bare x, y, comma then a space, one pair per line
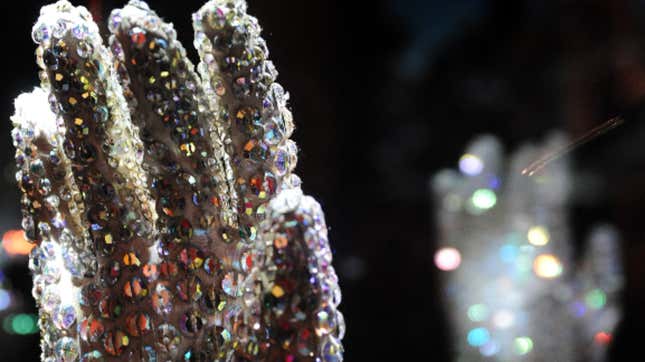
386, 92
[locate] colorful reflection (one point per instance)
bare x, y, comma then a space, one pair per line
513, 290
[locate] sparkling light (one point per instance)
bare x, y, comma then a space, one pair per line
33, 111
447, 259
522, 345
602, 338
484, 199
478, 312
21, 324
494, 182
578, 308
5, 299
478, 337
538, 235
471, 165
503, 319
547, 266
489, 349
595, 299
14, 242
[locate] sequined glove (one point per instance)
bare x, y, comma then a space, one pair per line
167, 221
513, 287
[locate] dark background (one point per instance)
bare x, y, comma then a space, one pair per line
386, 92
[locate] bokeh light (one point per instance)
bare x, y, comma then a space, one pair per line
14, 242
538, 235
489, 349
5, 299
470, 165
522, 345
595, 299
447, 259
21, 324
478, 312
547, 266
578, 308
504, 319
603, 338
484, 199
478, 337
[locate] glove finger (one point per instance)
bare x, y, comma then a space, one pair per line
105, 155
189, 172
239, 82
293, 286
299, 292
61, 261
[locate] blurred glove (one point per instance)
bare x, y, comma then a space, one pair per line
512, 287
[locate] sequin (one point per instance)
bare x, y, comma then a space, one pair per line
115, 342
325, 321
92, 356
191, 322
168, 270
168, 339
138, 36
66, 349
65, 316
189, 289
162, 300
91, 329
212, 265
150, 271
191, 258
229, 284
131, 259
109, 307
135, 288
277, 291
137, 324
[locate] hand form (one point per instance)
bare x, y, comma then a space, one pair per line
167, 219
517, 294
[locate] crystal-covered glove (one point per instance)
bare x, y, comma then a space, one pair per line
513, 288
169, 225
